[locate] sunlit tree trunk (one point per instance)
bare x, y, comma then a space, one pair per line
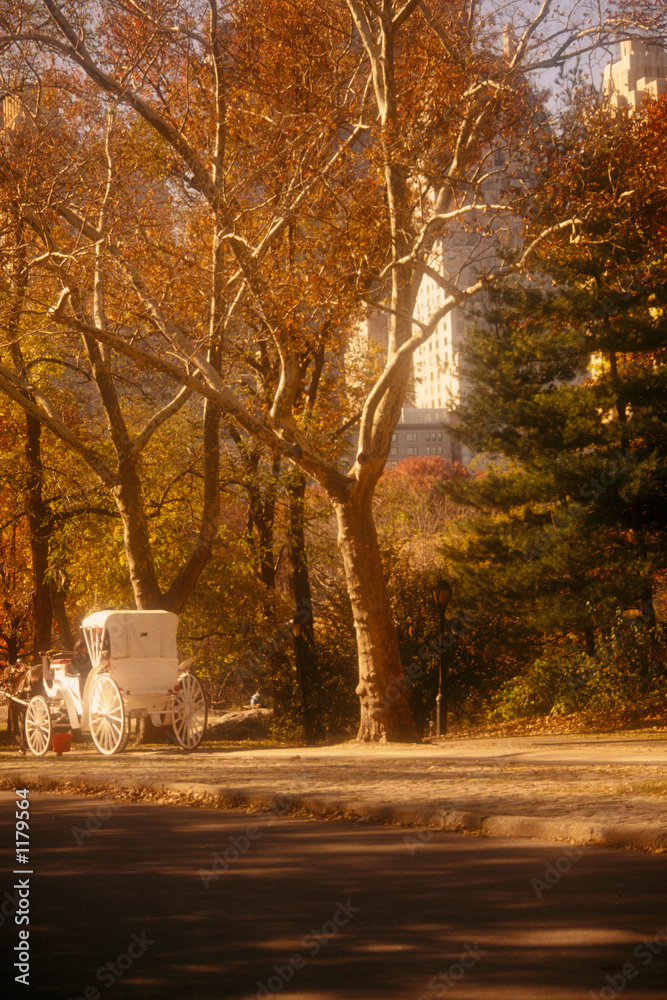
382, 690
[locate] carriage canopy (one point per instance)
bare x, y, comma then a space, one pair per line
131, 635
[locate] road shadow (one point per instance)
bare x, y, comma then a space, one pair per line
210, 904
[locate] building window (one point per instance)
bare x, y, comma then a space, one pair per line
412, 450
393, 451
439, 435
410, 436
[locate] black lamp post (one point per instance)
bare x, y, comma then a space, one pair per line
442, 592
297, 634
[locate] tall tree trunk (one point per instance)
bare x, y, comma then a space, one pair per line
39, 523
589, 639
129, 499
186, 580
304, 644
58, 595
266, 569
382, 689
300, 579
261, 522
11, 634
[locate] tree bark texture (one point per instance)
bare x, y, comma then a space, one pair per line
382, 688
40, 529
304, 645
186, 580
128, 495
59, 608
299, 575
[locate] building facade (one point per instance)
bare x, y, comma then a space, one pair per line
640, 72
435, 363
420, 432
10, 110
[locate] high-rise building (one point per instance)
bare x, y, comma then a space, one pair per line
436, 381
437, 385
639, 72
11, 110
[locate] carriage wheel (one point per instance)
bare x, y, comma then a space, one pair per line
189, 712
37, 726
108, 722
126, 733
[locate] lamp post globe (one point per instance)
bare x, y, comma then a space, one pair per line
295, 626
442, 591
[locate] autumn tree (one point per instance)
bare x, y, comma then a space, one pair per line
44, 379
394, 131
411, 510
15, 575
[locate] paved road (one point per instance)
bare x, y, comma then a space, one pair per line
609, 789
124, 903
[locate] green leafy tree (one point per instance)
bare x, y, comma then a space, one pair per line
569, 391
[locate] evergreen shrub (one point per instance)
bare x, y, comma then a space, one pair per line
625, 680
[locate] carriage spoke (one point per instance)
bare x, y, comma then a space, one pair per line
37, 726
107, 716
189, 712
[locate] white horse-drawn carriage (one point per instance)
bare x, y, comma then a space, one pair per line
133, 672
